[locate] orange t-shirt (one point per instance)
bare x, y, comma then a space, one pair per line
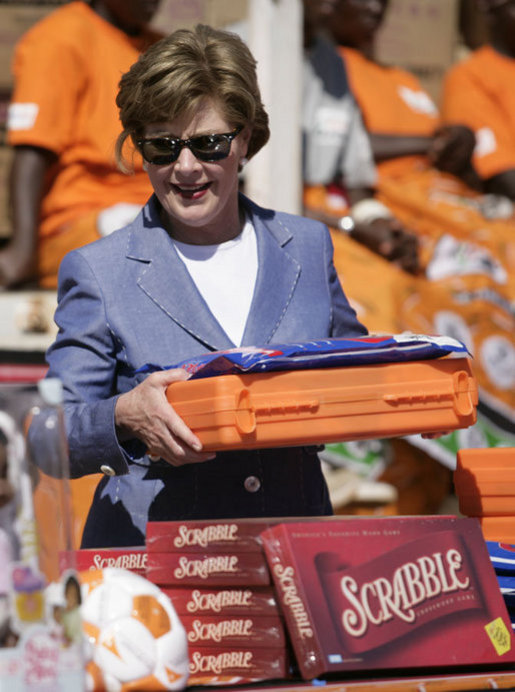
66, 73
470, 289
392, 102
478, 92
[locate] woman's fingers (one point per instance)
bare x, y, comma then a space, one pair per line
146, 414
181, 445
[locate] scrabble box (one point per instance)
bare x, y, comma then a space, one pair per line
367, 594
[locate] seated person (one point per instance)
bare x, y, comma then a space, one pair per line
65, 187
401, 118
425, 177
201, 268
475, 92
338, 168
424, 170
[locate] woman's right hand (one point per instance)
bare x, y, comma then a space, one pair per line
145, 413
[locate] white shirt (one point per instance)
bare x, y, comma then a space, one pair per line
225, 276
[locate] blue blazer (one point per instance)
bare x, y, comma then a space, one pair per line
127, 300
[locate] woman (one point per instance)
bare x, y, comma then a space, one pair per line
201, 268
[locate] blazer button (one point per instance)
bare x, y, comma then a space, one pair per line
252, 484
107, 470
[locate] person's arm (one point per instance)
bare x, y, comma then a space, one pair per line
18, 260
502, 184
354, 195
381, 232
449, 149
103, 426
386, 147
145, 414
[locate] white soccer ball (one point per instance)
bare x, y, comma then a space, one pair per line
134, 633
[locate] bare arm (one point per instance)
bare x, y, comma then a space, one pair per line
449, 149
387, 147
386, 237
502, 184
18, 260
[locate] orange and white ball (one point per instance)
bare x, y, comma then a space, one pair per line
135, 640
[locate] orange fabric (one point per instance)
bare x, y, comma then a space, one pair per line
479, 93
52, 248
68, 65
82, 491
470, 309
392, 102
61, 508
473, 306
321, 198
427, 201
372, 285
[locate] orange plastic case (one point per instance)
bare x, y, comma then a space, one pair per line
471, 505
484, 481
499, 529
298, 407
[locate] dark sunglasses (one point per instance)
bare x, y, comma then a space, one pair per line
164, 150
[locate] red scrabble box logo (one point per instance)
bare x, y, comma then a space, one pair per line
400, 592
133, 559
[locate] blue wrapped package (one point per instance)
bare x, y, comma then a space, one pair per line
502, 557
323, 353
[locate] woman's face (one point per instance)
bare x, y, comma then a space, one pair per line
199, 198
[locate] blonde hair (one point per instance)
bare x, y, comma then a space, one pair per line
177, 73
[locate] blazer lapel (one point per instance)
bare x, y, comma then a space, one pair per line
278, 273
167, 282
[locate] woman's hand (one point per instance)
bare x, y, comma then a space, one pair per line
145, 413
434, 435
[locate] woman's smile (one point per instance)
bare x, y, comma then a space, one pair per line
199, 198
191, 191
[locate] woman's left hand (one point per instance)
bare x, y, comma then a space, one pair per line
433, 435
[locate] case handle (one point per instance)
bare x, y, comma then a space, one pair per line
245, 415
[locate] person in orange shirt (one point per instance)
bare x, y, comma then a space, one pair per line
62, 122
338, 169
426, 178
425, 171
402, 120
478, 91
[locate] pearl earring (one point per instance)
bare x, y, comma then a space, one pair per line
243, 161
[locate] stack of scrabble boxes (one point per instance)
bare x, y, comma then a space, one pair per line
217, 577
484, 482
